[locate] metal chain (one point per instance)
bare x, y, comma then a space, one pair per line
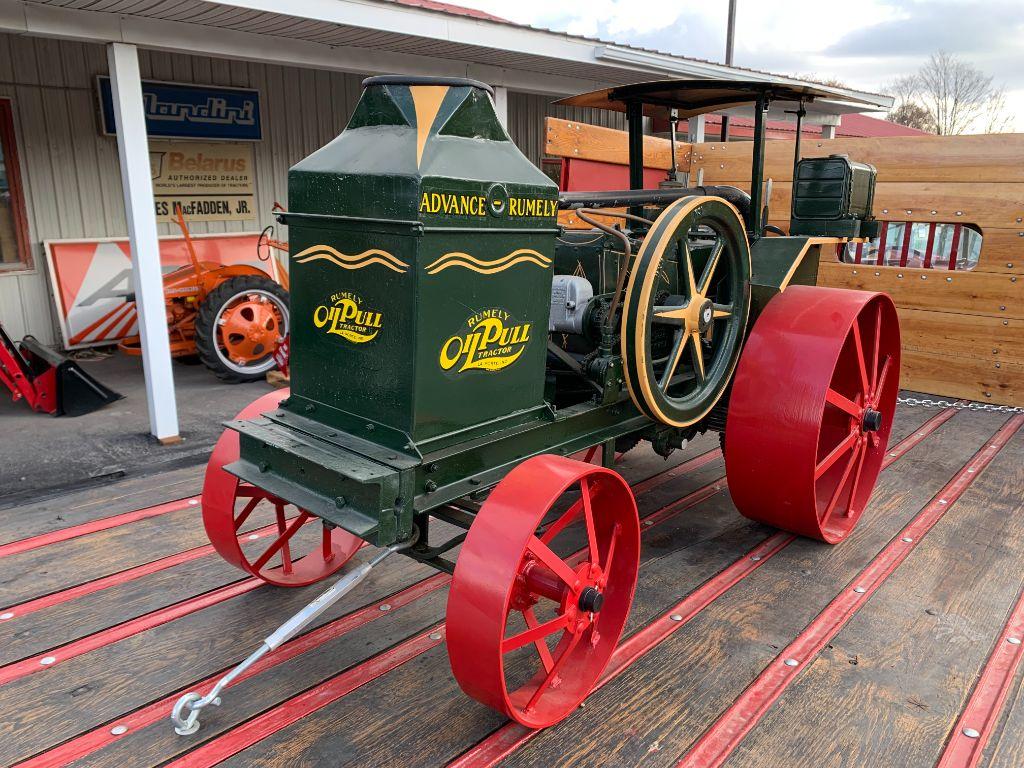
963, 405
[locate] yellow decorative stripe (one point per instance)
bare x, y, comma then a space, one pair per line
484, 267
343, 260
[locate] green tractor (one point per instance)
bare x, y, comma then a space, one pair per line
454, 352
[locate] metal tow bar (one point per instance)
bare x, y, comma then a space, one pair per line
185, 715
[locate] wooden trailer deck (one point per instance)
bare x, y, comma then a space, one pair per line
746, 647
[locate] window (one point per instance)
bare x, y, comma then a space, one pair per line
14, 251
924, 245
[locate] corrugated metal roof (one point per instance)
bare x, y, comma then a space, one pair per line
281, 24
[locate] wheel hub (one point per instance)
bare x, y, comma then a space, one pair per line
705, 316
872, 420
591, 600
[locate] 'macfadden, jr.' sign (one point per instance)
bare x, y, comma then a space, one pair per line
182, 111
209, 181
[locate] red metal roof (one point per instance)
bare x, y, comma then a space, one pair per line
456, 10
850, 126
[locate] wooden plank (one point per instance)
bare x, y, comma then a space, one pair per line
656, 709
891, 685
119, 678
971, 293
432, 721
994, 158
987, 205
32, 518
968, 377
565, 138
948, 333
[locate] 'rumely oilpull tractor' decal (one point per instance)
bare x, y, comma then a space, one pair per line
454, 348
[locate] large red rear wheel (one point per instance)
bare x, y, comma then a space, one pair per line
295, 548
529, 630
811, 409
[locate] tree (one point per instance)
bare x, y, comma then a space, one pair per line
912, 115
949, 96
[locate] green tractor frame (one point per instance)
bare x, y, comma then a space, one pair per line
454, 352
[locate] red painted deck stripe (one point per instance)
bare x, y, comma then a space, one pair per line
273, 720
988, 697
511, 736
121, 577
100, 738
94, 526
719, 741
55, 657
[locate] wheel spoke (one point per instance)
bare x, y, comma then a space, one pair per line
825, 464
671, 314
559, 525
842, 402
542, 647
862, 366
553, 672
709, 268
609, 557
698, 358
677, 352
839, 488
326, 543
281, 540
588, 516
535, 633
874, 351
691, 284
557, 565
856, 479
282, 526
881, 377
247, 510
722, 310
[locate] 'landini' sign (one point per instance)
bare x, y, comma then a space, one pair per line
183, 111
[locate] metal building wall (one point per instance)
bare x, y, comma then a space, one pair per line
526, 113
70, 172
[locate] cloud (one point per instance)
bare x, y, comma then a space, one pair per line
865, 44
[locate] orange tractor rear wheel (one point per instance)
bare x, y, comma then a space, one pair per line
239, 325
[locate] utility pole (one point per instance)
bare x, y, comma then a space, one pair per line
730, 38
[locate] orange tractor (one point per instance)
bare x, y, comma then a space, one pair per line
233, 318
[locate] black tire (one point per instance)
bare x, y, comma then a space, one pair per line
206, 329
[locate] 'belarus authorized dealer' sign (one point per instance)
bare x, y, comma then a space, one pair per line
210, 181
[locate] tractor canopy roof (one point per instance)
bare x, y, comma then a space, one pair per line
696, 97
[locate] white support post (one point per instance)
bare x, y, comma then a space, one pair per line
695, 129
501, 104
147, 280
828, 131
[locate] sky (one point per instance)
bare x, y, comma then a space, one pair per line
865, 44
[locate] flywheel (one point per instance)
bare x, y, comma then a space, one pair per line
685, 310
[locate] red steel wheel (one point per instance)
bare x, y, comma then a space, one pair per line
812, 408
282, 561
530, 631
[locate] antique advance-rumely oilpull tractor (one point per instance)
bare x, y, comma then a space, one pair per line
452, 347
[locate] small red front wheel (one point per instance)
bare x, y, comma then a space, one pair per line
811, 409
530, 626
294, 548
